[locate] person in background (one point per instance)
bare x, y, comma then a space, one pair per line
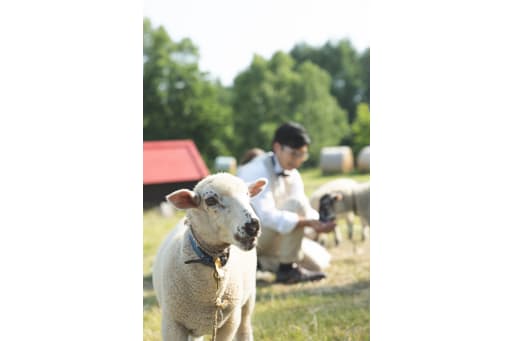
284, 210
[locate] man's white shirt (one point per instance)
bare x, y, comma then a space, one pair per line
278, 190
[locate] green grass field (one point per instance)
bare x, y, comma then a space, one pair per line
336, 308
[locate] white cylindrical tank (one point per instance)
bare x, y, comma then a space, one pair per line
337, 159
225, 164
363, 160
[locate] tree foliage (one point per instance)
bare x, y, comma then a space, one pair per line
365, 76
179, 101
349, 70
271, 92
361, 127
322, 88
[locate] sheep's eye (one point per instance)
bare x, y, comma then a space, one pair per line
211, 201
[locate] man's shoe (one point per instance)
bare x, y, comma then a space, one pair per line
298, 274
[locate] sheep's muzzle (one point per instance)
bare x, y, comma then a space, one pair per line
248, 234
252, 228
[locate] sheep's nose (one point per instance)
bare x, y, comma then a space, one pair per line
253, 227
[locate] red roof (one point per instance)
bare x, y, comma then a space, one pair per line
172, 161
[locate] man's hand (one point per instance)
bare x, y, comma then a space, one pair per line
323, 227
317, 225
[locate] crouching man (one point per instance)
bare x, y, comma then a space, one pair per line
284, 210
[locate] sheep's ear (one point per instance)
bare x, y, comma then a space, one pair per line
184, 198
257, 186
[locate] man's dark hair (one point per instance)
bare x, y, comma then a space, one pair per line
291, 134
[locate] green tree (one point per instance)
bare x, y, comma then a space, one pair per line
361, 127
364, 60
271, 92
318, 110
349, 71
179, 101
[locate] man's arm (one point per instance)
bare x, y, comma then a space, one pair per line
317, 225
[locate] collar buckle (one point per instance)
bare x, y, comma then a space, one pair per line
205, 258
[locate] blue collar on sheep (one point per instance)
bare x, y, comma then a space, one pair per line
205, 258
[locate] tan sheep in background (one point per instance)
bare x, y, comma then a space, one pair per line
349, 198
217, 236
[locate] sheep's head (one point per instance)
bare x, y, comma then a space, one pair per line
220, 209
326, 207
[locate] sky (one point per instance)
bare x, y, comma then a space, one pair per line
228, 32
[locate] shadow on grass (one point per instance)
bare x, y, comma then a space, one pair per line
264, 278
261, 283
147, 282
296, 291
149, 301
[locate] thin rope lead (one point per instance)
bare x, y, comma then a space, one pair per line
218, 274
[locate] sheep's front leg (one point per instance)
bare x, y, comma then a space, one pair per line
244, 332
337, 236
322, 239
365, 228
173, 331
228, 329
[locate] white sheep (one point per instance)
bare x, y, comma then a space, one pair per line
204, 274
347, 198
